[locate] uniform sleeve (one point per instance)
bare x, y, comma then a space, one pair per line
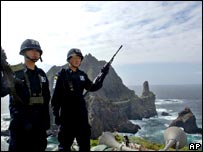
46, 95
57, 95
98, 81
90, 86
4, 88
47, 105
47, 91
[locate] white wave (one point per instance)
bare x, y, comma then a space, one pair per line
166, 125
198, 141
168, 101
161, 110
168, 117
141, 123
152, 118
5, 114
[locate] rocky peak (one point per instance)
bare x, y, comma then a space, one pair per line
114, 104
145, 88
113, 88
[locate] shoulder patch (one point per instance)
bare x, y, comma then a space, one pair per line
17, 67
82, 78
43, 79
55, 77
55, 80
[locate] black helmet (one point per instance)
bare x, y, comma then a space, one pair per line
30, 44
73, 52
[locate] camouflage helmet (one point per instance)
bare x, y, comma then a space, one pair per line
30, 44
73, 52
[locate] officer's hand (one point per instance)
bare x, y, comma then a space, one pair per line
105, 70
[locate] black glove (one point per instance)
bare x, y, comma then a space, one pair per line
100, 77
105, 70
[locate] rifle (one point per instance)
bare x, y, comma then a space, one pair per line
101, 74
9, 76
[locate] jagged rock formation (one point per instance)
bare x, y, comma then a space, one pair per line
165, 114
106, 116
145, 91
187, 121
114, 104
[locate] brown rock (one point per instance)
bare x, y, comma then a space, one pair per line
186, 120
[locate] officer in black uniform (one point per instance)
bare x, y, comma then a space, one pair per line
68, 103
29, 116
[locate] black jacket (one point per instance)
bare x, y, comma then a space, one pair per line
4, 88
23, 114
67, 102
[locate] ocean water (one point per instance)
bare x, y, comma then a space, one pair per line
171, 99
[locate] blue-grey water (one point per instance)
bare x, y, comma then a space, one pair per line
171, 99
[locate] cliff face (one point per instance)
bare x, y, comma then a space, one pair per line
111, 107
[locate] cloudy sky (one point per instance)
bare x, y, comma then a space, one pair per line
162, 41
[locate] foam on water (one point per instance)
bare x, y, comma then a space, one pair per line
168, 101
168, 117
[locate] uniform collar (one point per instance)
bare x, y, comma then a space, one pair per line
27, 69
71, 71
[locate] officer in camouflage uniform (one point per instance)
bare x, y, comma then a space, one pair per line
29, 116
68, 103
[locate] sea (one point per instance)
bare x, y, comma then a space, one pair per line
169, 98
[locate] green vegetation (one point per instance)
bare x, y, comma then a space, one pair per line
94, 142
140, 141
152, 145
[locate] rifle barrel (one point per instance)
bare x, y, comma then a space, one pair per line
115, 54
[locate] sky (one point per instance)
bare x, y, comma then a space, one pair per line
162, 40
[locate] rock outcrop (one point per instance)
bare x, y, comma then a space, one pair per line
187, 121
106, 116
114, 104
165, 114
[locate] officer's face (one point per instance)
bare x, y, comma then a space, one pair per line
75, 61
33, 54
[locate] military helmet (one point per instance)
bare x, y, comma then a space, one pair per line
30, 44
73, 52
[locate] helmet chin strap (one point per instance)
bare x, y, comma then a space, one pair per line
40, 58
33, 60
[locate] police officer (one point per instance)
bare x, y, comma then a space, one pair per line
68, 103
30, 115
